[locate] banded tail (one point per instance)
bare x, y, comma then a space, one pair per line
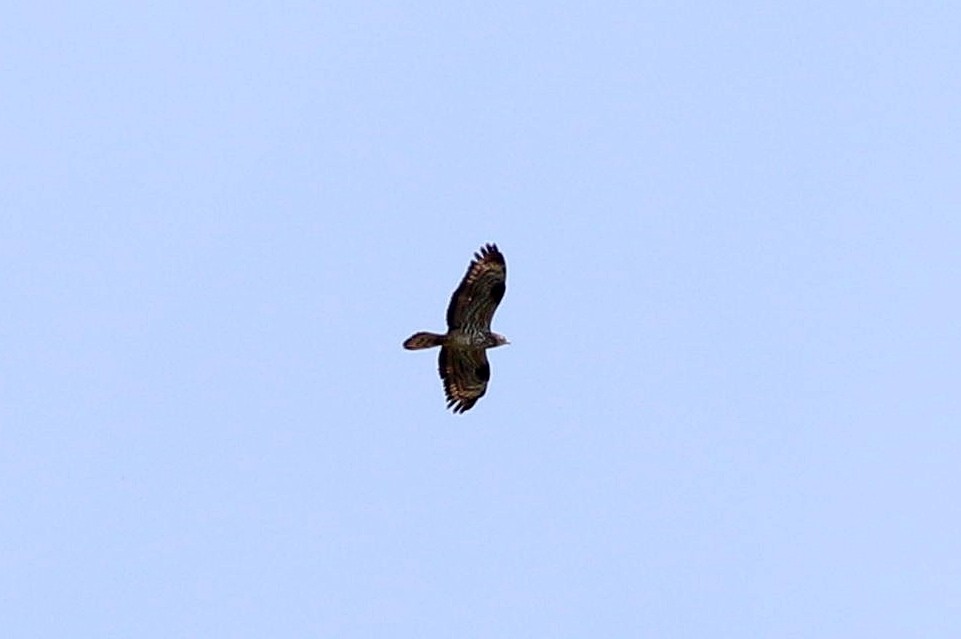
423, 339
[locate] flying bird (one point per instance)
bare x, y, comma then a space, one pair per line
463, 363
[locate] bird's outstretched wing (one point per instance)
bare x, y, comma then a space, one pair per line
465, 372
473, 303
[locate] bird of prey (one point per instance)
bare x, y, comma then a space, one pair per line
463, 349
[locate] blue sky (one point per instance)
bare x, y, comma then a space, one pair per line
730, 407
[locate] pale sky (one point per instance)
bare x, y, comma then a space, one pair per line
730, 406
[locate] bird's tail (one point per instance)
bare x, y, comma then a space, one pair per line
424, 339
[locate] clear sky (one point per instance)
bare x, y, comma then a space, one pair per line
731, 403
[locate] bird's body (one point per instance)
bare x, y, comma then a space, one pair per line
473, 339
463, 362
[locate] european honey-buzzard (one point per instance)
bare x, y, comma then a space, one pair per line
463, 363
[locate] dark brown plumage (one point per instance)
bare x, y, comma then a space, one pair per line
463, 362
